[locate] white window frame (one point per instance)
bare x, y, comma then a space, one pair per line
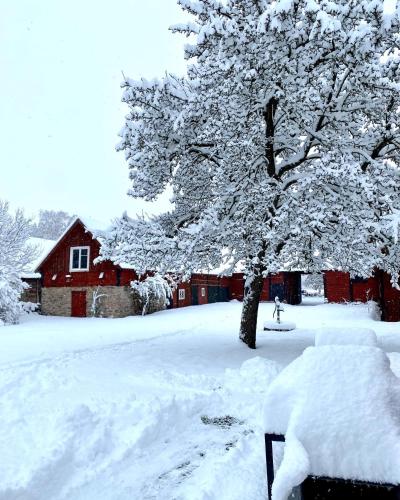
181, 294
203, 291
80, 269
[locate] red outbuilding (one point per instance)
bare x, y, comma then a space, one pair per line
72, 285
340, 287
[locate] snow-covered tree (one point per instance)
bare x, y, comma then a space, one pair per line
281, 144
15, 254
314, 283
154, 293
51, 224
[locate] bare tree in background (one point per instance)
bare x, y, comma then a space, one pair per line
51, 224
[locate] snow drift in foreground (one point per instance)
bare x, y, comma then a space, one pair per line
339, 407
166, 406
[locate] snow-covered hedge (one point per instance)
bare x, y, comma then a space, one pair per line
14, 256
153, 293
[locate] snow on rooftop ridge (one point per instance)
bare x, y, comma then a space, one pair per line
94, 225
335, 404
97, 228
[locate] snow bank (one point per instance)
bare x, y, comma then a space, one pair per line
336, 404
346, 336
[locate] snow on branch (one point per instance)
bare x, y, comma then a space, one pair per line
280, 145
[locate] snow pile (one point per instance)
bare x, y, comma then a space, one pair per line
346, 336
254, 375
339, 408
283, 326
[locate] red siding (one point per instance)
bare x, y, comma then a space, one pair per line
126, 276
205, 279
337, 286
237, 286
391, 299
187, 301
362, 291
265, 295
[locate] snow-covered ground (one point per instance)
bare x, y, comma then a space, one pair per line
167, 406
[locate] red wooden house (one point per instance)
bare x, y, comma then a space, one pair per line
73, 286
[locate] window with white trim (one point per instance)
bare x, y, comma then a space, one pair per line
181, 294
203, 292
79, 259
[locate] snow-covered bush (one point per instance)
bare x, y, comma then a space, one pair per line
14, 256
153, 293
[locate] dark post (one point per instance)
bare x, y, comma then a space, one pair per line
269, 458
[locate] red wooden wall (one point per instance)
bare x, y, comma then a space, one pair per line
364, 290
187, 301
237, 286
339, 287
390, 300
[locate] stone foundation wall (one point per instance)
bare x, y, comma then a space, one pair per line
111, 302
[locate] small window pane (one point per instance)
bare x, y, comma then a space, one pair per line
75, 259
84, 260
181, 294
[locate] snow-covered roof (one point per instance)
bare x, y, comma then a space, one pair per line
94, 225
97, 228
43, 247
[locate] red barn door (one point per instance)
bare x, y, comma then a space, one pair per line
78, 304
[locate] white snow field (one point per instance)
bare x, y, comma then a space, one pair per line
166, 406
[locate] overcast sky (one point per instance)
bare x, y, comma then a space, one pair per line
60, 109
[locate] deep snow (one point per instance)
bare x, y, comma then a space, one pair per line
135, 408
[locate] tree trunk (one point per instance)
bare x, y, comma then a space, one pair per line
248, 324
